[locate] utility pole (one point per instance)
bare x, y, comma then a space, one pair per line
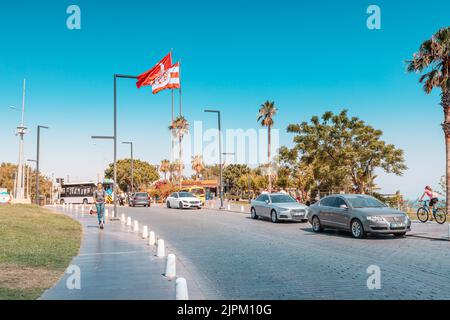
39, 127
220, 157
21, 130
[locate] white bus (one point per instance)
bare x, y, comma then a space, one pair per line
80, 192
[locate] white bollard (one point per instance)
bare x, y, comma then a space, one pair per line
242, 208
144, 232
151, 238
181, 291
122, 218
106, 213
76, 207
212, 205
82, 207
135, 226
229, 207
129, 221
170, 266
160, 250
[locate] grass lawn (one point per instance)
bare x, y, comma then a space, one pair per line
36, 246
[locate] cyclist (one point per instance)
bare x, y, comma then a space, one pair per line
432, 195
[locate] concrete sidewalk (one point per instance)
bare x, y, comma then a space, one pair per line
117, 263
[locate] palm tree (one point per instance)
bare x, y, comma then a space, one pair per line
267, 111
197, 165
181, 127
433, 61
172, 170
164, 167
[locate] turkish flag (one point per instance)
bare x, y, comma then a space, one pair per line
147, 77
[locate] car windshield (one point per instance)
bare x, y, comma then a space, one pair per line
185, 194
281, 198
141, 194
198, 191
365, 202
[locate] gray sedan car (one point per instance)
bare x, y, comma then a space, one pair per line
278, 206
359, 214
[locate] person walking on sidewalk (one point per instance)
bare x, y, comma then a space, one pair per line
99, 199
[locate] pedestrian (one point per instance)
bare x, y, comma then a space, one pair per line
99, 200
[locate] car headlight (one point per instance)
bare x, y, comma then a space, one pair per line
375, 218
283, 209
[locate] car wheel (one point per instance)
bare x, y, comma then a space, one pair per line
316, 225
273, 216
180, 205
253, 213
168, 204
85, 201
61, 202
399, 235
357, 229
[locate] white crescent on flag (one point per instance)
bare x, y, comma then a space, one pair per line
169, 79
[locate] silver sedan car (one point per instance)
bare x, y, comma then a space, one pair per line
359, 214
278, 206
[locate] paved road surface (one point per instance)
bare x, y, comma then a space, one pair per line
117, 264
234, 257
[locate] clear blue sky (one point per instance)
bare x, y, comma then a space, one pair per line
307, 56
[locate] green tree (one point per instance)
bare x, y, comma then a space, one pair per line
433, 61
232, 173
344, 152
266, 113
7, 174
210, 172
144, 174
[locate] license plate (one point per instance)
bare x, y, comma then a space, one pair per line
397, 225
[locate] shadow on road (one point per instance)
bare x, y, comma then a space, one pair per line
347, 234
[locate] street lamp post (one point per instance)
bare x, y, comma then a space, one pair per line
220, 157
39, 127
132, 173
28, 177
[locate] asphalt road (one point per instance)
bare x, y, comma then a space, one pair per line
234, 257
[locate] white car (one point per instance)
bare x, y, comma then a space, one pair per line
183, 200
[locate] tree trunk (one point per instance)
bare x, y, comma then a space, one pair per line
268, 158
445, 103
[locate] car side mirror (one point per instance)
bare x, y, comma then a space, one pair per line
267, 201
343, 206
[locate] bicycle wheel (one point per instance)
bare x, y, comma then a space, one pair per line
422, 214
440, 216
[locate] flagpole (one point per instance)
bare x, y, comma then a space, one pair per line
171, 131
173, 111
179, 73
